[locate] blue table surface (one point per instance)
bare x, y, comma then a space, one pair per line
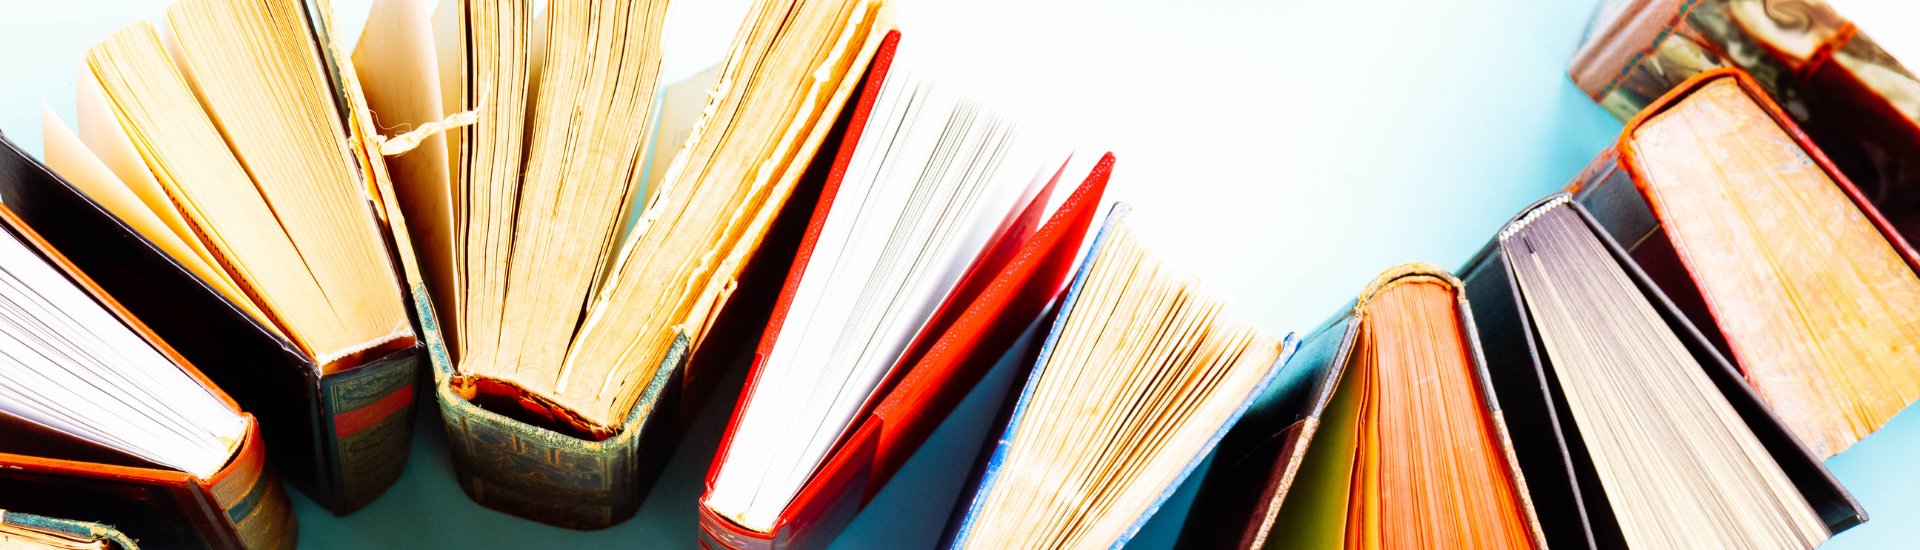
1288, 150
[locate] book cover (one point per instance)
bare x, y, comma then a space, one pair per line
240, 507
976, 324
66, 528
1852, 97
518, 467
1257, 462
342, 438
1616, 190
995, 449
1568, 499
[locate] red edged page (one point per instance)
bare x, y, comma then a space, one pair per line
862, 110
241, 507
1032, 276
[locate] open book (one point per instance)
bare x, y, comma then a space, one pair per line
1383, 431
565, 323
101, 420
1142, 372
219, 184
925, 257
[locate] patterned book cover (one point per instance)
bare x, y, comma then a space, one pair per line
1853, 98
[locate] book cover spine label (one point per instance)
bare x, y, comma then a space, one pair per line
542, 475
250, 495
368, 414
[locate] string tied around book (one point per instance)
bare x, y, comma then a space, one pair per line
400, 144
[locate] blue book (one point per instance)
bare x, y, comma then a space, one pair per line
1142, 372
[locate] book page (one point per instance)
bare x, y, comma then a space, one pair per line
68, 363
399, 71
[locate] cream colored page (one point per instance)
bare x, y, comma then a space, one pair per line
450, 61
719, 196
680, 105
80, 167
273, 100
396, 65
107, 142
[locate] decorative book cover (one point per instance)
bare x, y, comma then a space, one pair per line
1856, 101
516, 466
1621, 191
976, 324
1260, 458
240, 507
70, 530
342, 437
1568, 496
994, 452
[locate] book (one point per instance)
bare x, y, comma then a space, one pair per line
1632, 431
240, 228
1344, 450
29, 531
1768, 249
563, 390
1081, 461
101, 421
924, 258
1853, 98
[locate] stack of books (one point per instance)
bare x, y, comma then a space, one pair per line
258, 250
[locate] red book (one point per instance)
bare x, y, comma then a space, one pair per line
1023, 267
44, 471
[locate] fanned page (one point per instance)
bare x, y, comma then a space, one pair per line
69, 364
933, 176
1141, 374
1820, 311
237, 120
397, 65
540, 182
1681, 470
1407, 456
70, 158
532, 227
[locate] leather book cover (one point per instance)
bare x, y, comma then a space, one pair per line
527, 470
1256, 462
1835, 81
342, 438
998, 443
83, 530
1566, 490
240, 507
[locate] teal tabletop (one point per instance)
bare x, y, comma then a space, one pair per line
1288, 150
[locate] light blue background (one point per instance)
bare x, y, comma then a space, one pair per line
1287, 150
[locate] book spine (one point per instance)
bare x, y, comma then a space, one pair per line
81, 529
545, 476
251, 499
367, 414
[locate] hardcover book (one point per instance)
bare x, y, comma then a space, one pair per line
34, 532
1390, 397
928, 220
102, 422
573, 299
1631, 429
1854, 99
1141, 373
325, 354
1771, 252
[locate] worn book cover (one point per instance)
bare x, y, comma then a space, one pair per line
1853, 98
